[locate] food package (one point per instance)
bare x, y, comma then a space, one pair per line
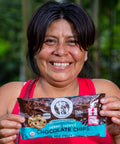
62, 117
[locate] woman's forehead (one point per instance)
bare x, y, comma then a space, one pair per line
60, 26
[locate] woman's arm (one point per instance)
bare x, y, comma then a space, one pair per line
111, 106
9, 123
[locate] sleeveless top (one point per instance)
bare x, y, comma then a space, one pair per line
86, 87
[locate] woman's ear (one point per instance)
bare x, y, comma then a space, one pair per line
86, 56
35, 56
35, 53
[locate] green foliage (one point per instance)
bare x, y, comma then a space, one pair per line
10, 40
109, 40
11, 34
4, 47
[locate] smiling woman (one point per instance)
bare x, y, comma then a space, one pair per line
83, 31
59, 36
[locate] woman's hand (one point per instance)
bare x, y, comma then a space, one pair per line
9, 128
111, 109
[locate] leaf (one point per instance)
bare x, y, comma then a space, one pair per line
4, 47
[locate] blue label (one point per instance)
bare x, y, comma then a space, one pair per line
63, 128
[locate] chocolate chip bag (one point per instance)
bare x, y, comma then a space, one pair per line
62, 117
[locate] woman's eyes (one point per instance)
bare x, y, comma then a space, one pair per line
72, 42
52, 42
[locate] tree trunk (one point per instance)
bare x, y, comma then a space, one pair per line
95, 16
111, 25
27, 10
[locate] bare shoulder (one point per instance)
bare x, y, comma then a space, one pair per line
8, 96
106, 86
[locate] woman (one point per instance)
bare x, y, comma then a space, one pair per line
59, 35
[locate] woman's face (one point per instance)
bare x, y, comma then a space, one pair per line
61, 59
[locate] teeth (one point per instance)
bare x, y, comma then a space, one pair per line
61, 64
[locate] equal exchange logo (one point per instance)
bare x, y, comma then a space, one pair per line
61, 107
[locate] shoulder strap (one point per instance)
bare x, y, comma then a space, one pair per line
86, 86
28, 90
25, 92
26, 95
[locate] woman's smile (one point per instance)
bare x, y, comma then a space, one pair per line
60, 65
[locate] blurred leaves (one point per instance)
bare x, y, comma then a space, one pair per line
4, 47
11, 38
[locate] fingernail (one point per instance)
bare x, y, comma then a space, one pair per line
102, 113
114, 119
104, 107
22, 119
103, 100
14, 136
19, 125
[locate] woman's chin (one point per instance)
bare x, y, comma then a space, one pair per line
60, 81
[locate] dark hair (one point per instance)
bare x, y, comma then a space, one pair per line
51, 11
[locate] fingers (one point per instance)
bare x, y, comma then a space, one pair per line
111, 108
110, 103
8, 140
8, 132
9, 128
109, 99
9, 124
11, 121
13, 117
114, 115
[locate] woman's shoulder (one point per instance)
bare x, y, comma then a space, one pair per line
11, 87
106, 86
8, 95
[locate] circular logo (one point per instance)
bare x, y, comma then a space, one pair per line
61, 107
32, 134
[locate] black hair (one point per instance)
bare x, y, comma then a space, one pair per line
51, 11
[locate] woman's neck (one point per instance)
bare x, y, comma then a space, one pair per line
45, 89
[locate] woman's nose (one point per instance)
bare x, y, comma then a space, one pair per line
61, 49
